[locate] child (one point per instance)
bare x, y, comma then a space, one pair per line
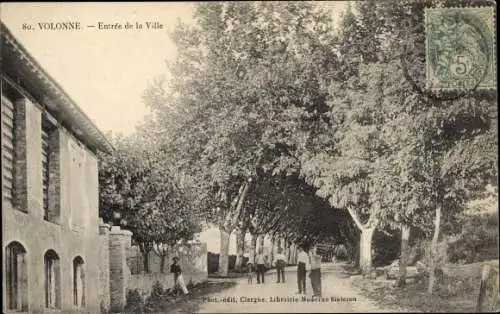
178, 279
250, 272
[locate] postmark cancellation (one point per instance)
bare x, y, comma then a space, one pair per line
460, 49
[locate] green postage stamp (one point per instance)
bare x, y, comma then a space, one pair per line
460, 49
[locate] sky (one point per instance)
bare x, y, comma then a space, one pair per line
106, 71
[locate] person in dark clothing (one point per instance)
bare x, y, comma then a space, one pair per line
175, 268
260, 260
302, 265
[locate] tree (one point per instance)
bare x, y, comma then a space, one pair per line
342, 156
383, 119
436, 129
241, 231
345, 174
263, 210
356, 123
227, 223
172, 238
232, 91
136, 183
294, 213
479, 235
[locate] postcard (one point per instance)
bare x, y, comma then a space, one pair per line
249, 157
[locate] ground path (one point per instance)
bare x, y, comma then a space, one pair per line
338, 296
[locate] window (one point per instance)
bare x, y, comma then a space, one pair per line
77, 180
49, 160
8, 156
45, 171
78, 282
52, 280
16, 281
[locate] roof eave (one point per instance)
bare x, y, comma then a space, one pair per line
90, 132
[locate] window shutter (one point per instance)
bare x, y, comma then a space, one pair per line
45, 171
8, 152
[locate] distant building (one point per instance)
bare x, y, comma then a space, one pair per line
50, 223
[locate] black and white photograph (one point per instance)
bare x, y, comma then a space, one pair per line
249, 157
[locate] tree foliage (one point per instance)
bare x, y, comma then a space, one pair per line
232, 109
137, 184
267, 91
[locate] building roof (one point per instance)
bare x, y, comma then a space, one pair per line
19, 65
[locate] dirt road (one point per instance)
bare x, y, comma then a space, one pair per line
338, 296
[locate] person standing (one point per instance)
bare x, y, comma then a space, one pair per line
315, 273
260, 260
175, 268
280, 263
250, 272
302, 266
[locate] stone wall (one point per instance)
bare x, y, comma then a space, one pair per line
118, 257
192, 258
193, 251
119, 273
70, 235
104, 296
23, 220
144, 282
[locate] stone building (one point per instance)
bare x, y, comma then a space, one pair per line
50, 223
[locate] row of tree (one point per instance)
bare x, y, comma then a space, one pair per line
274, 122
139, 192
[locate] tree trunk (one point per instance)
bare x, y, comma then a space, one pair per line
365, 240
233, 221
145, 262
224, 252
161, 250
293, 253
253, 248
228, 226
286, 250
435, 237
162, 263
261, 242
365, 250
240, 249
145, 248
271, 253
482, 289
403, 259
